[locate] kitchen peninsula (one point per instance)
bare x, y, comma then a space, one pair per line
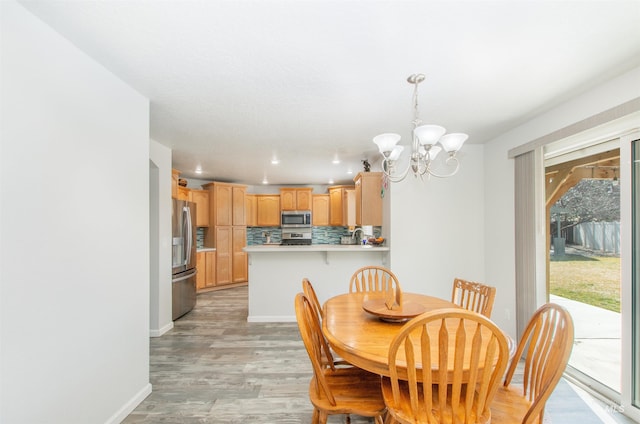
276, 274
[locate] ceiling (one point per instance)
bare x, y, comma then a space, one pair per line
233, 83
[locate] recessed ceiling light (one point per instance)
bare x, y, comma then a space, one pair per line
198, 170
274, 161
349, 171
331, 181
335, 161
264, 181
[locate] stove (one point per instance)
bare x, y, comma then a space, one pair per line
296, 236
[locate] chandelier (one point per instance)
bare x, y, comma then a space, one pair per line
428, 142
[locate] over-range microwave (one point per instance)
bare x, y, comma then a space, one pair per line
295, 219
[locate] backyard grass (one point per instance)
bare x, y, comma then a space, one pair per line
593, 280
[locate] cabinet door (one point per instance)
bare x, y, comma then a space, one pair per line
239, 204
223, 255
222, 201
240, 266
201, 199
210, 269
251, 210
201, 265
349, 207
268, 206
175, 176
320, 213
184, 193
288, 199
304, 199
368, 200
335, 207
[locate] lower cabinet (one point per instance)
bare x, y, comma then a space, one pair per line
206, 264
231, 259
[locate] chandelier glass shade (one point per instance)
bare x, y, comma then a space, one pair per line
427, 142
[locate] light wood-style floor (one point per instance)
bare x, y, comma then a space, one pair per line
214, 367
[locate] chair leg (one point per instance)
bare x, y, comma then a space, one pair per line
315, 417
323, 417
348, 419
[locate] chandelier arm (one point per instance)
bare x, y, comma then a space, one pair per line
454, 172
387, 169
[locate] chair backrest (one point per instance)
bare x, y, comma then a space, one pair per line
313, 339
473, 296
373, 279
445, 338
309, 291
548, 341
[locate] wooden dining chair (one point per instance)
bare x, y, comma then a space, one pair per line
335, 390
329, 359
473, 296
432, 344
547, 340
373, 279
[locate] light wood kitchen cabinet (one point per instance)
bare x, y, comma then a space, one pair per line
368, 199
320, 211
175, 177
296, 199
240, 270
268, 206
224, 258
238, 204
201, 199
206, 276
210, 269
227, 203
342, 206
251, 209
184, 193
201, 264
227, 216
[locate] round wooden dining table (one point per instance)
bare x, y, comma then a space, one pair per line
362, 338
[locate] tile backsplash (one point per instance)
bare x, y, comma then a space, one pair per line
320, 235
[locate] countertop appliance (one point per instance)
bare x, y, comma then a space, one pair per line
184, 270
295, 219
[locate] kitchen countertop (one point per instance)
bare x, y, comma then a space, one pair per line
264, 248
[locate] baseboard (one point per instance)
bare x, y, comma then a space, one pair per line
271, 318
161, 331
127, 408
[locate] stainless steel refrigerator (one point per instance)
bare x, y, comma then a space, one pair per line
184, 257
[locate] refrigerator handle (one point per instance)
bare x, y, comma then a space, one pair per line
189, 233
185, 277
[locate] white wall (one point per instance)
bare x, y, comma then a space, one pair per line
74, 221
437, 229
499, 175
160, 208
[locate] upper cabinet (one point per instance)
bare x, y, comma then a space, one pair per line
268, 206
201, 199
251, 210
342, 206
175, 177
320, 211
368, 198
292, 199
227, 202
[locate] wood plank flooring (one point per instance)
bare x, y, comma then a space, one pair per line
214, 367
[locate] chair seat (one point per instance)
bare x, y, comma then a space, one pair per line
403, 412
509, 406
365, 401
